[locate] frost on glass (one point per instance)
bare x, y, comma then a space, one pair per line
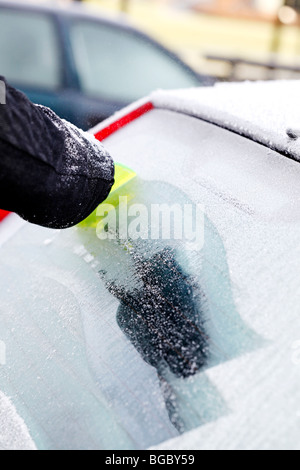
109, 341
14, 433
83, 371
263, 111
112, 344
175, 307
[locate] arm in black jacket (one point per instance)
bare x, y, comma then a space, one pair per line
51, 173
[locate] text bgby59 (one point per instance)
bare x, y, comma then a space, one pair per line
171, 459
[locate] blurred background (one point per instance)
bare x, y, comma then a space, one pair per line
228, 39
88, 58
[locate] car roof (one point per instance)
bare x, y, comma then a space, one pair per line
265, 112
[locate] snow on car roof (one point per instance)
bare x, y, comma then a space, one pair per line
266, 112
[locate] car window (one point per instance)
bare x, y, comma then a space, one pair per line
116, 64
30, 57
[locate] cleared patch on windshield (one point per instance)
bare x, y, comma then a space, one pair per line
108, 343
175, 307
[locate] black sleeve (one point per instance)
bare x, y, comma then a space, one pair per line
51, 173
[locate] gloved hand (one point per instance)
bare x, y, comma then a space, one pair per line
51, 173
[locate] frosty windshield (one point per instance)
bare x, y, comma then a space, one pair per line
135, 342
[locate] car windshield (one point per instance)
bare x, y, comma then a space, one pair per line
121, 65
130, 342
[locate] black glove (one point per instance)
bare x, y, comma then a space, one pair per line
51, 173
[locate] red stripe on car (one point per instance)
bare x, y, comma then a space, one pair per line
3, 214
122, 122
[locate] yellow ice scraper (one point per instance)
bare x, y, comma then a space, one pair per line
122, 187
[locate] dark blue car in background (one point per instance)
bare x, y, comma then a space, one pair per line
82, 65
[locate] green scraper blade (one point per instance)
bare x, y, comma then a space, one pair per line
121, 188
